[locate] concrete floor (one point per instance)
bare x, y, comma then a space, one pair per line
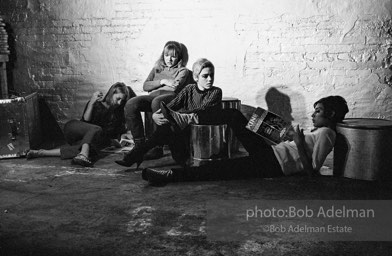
50, 207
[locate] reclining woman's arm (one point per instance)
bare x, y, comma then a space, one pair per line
306, 160
323, 145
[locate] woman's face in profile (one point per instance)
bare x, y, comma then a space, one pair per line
318, 117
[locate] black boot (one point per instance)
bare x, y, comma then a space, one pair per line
158, 176
135, 155
154, 153
231, 169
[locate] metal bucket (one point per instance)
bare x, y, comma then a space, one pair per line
363, 149
235, 103
208, 143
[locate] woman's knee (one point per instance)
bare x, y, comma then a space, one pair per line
135, 105
96, 129
72, 129
156, 102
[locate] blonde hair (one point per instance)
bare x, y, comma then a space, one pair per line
199, 65
179, 50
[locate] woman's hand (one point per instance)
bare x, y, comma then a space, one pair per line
298, 136
158, 118
167, 82
306, 160
126, 139
127, 135
97, 96
289, 134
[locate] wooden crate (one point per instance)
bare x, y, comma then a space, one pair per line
20, 127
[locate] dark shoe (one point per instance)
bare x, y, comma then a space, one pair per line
168, 114
155, 176
144, 174
154, 153
82, 160
33, 154
133, 156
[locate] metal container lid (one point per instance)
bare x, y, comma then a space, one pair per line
366, 123
229, 99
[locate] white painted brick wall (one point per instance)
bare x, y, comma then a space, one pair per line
305, 49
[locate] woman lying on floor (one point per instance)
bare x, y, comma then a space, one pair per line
305, 153
102, 120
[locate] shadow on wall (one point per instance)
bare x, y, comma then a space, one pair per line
131, 92
57, 105
279, 103
53, 136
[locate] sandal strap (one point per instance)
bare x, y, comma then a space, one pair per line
83, 157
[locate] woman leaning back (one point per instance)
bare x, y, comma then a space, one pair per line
102, 120
305, 153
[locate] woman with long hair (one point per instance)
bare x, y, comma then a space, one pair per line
102, 120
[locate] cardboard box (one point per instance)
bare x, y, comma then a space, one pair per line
20, 127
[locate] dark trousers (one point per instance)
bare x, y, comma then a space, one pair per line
178, 142
77, 133
144, 103
261, 161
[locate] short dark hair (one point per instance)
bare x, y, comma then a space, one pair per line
334, 104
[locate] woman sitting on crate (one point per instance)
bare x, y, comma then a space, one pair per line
102, 121
166, 79
201, 96
304, 153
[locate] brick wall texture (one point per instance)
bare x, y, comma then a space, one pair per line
280, 54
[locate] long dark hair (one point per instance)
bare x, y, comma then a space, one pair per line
116, 88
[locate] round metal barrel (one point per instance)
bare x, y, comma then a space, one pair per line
228, 102
208, 143
363, 149
235, 103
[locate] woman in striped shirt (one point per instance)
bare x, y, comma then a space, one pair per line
303, 153
194, 98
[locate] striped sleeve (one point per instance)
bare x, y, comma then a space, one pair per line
179, 101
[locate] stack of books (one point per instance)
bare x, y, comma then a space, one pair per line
3, 39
